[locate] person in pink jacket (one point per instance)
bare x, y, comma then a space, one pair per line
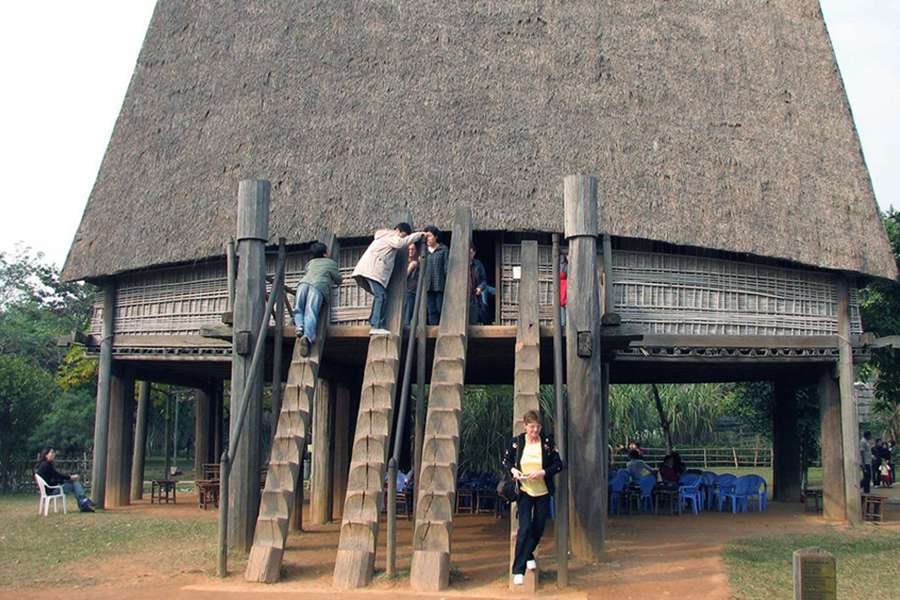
373, 271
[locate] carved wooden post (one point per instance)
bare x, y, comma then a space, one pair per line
786, 467
527, 380
140, 442
320, 499
249, 304
121, 415
104, 374
587, 458
849, 415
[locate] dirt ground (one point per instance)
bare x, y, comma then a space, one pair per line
646, 557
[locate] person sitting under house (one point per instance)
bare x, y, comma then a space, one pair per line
69, 482
437, 274
480, 290
373, 271
636, 466
313, 291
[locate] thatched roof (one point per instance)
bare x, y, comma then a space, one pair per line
715, 124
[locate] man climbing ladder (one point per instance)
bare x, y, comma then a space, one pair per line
313, 291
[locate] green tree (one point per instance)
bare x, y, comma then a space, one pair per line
879, 305
25, 391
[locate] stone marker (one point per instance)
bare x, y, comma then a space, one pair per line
814, 575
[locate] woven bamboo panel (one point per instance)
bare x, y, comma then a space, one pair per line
696, 295
181, 300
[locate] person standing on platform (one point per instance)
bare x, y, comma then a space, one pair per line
532, 459
865, 454
373, 271
480, 290
313, 291
437, 274
412, 282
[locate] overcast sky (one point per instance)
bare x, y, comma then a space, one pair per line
66, 66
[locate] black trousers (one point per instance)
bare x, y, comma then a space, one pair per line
532, 513
867, 478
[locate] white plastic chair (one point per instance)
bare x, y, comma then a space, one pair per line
44, 505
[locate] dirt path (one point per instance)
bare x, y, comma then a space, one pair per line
647, 557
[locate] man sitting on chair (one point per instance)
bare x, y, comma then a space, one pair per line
69, 483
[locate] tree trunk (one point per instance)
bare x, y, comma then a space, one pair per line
663, 421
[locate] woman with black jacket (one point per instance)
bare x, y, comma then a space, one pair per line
533, 461
69, 483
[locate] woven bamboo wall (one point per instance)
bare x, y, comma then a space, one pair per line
181, 300
696, 295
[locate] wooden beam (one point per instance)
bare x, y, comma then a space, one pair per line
249, 304
787, 470
104, 377
343, 404
202, 434
834, 501
140, 442
526, 383
849, 414
119, 450
587, 465
321, 487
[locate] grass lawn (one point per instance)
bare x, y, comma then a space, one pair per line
868, 563
35, 550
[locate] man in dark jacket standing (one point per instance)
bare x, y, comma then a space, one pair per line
437, 274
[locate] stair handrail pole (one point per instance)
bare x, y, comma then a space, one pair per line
562, 485
277, 393
421, 326
398, 434
228, 455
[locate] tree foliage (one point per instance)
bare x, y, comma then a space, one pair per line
879, 305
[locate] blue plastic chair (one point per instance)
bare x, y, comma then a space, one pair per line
617, 492
646, 484
759, 491
724, 484
707, 486
745, 487
689, 491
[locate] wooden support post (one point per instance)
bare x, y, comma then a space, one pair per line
849, 414
526, 382
202, 408
140, 442
217, 416
119, 450
608, 291
167, 442
249, 304
787, 469
104, 375
421, 358
321, 487
833, 501
562, 480
587, 465
341, 451
230, 271
277, 348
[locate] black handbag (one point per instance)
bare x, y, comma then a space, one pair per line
508, 488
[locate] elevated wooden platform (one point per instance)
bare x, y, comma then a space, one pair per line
635, 358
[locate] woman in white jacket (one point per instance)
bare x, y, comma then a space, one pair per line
373, 271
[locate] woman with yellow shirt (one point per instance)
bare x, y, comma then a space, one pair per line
533, 461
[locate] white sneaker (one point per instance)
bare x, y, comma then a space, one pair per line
518, 579
378, 331
531, 565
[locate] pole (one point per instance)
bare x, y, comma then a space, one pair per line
231, 271
849, 414
391, 569
168, 438
104, 376
140, 442
277, 370
224, 473
421, 357
562, 485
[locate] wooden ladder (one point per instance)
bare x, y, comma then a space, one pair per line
286, 462
436, 483
355, 560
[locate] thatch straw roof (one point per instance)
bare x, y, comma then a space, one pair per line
716, 124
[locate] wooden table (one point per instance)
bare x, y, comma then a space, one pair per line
812, 500
671, 496
871, 508
207, 492
160, 490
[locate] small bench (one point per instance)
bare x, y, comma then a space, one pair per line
207, 492
160, 490
812, 500
871, 508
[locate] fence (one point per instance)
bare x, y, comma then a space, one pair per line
705, 458
17, 475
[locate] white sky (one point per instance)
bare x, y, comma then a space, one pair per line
66, 66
